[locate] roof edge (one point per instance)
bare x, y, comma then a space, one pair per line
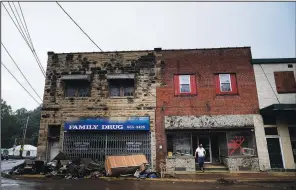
273, 60
126, 51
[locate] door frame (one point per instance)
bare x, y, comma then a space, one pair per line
280, 141
210, 146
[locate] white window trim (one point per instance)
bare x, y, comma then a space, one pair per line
224, 82
184, 83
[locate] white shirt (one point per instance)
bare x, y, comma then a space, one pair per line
200, 152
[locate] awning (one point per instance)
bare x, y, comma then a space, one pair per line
120, 76
75, 77
279, 109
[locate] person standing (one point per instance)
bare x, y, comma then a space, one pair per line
200, 153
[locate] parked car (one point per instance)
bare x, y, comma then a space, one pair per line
4, 155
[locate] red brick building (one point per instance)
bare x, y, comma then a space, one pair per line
207, 96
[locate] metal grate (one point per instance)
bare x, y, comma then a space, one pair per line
96, 145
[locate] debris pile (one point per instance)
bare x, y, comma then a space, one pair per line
62, 167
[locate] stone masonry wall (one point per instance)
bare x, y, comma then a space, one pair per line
57, 107
242, 164
184, 162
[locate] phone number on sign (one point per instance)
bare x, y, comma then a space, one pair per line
136, 127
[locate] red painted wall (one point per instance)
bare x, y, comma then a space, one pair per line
204, 63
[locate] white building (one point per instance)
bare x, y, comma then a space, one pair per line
276, 129
28, 152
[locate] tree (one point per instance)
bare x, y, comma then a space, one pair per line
13, 124
8, 125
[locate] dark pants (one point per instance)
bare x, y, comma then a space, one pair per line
201, 161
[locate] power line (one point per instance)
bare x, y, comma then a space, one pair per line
20, 83
26, 24
269, 83
79, 26
21, 71
29, 37
25, 31
86, 33
26, 40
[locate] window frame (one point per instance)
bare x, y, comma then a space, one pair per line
121, 88
192, 85
233, 84
180, 84
77, 88
229, 77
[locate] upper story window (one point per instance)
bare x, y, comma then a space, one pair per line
185, 85
76, 85
121, 87
226, 83
77, 88
285, 82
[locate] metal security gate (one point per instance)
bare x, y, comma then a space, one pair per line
96, 145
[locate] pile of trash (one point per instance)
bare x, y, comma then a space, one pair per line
62, 167
78, 168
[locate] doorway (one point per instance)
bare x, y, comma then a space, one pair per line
274, 152
53, 149
206, 143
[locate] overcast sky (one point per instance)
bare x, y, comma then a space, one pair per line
269, 28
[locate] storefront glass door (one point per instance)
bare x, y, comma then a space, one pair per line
206, 143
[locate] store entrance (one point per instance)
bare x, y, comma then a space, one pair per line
210, 144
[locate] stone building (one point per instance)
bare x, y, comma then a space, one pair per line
209, 97
276, 132
97, 104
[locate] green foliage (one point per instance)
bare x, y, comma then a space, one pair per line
13, 123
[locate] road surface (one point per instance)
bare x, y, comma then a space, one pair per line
95, 184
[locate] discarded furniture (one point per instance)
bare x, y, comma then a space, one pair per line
124, 164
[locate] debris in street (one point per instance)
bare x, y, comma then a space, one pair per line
226, 181
120, 165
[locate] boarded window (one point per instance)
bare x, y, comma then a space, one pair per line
285, 82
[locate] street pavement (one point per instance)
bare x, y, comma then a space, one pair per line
95, 184
89, 184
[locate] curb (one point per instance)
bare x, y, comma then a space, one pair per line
234, 181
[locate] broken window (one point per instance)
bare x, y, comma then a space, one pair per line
179, 143
241, 143
121, 87
77, 88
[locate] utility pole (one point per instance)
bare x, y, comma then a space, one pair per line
24, 137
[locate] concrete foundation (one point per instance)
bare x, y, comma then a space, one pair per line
180, 163
242, 163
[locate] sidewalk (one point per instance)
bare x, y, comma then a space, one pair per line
206, 177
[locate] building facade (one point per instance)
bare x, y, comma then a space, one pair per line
163, 103
276, 86
98, 104
209, 97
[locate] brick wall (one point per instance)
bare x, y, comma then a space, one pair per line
203, 64
57, 107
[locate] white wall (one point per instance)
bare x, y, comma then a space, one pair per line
266, 95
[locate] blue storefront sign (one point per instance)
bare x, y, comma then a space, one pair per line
108, 124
